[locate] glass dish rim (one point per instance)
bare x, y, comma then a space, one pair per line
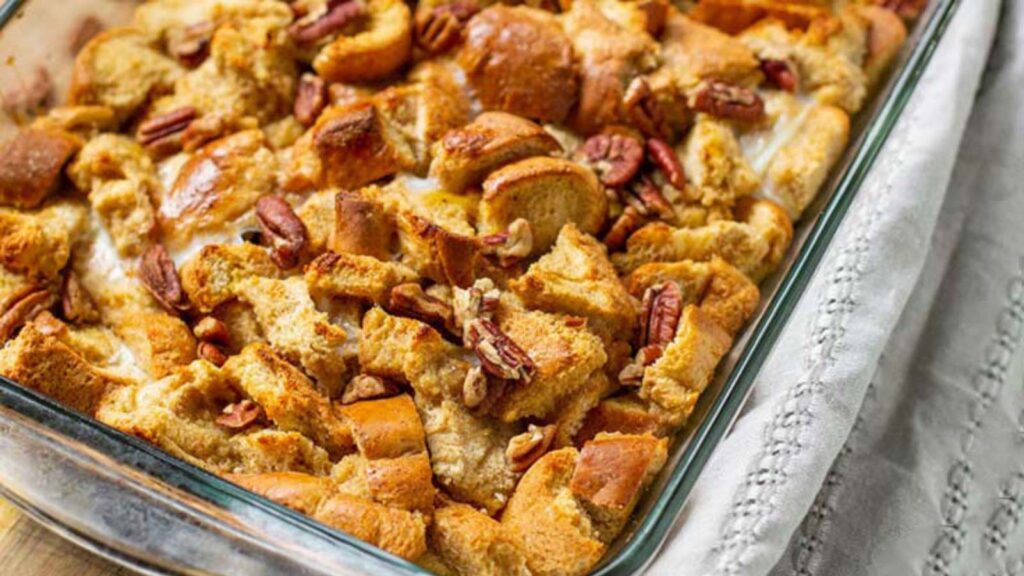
650, 532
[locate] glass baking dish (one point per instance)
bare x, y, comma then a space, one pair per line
136, 505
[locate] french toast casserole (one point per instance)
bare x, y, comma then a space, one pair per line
446, 276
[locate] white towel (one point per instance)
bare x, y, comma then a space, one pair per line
888, 347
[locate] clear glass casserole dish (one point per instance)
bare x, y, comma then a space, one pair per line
133, 503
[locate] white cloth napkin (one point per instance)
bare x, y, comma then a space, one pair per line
870, 444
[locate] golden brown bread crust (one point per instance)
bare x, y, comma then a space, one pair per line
31, 164
211, 277
295, 490
387, 428
626, 414
360, 227
518, 60
472, 543
612, 468
400, 532
379, 49
354, 276
38, 243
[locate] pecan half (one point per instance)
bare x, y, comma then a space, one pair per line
410, 300
191, 45
662, 307
367, 387
282, 230
76, 304
210, 329
440, 29
160, 277
510, 247
526, 448
726, 100
478, 301
665, 158
211, 353
780, 73
310, 99
203, 130
628, 222
499, 355
338, 16
615, 157
238, 415
162, 133
643, 110
646, 198
22, 307
474, 388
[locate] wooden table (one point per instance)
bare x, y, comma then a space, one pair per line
28, 549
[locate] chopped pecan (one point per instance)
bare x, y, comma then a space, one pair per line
367, 387
633, 373
526, 448
191, 45
664, 157
510, 247
439, 29
160, 277
22, 307
205, 129
76, 304
212, 330
646, 198
162, 133
211, 353
643, 110
238, 415
410, 300
780, 73
499, 355
282, 230
474, 388
662, 307
86, 28
628, 222
726, 100
310, 99
309, 30
615, 157
478, 301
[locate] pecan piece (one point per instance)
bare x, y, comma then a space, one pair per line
76, 304
212, 330
338, 16
781, 74
478, 301
474, 388
499, 356
526, 448
205, 129
633, 373
162, 133
191, 45
410, 300
647, 199
282, 230
665, 158
24, 306
211, 353
662, 308
615, 157
628, 222
367, 387
440, 29
160, 277
644, 111
238, 415
310, 99
510, 247
726, 100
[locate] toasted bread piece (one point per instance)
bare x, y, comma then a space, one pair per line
474, 544
298, 331
381, 47
159, 341
289, 398
714, 163
518, 60
676, 380
411, 351
549, 525
467, 453
549, 193
43, 363
354, 276
734, 16
31, 163
121, 68
360, 226
465, 156
693, 52
216, 186
610, 474
399, 532
164, 18
387, 428
212, 277
577, 278
886, 35
565, 355
298, 491
627, 414
38, 243
572, 415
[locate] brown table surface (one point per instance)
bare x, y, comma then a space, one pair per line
28, 549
